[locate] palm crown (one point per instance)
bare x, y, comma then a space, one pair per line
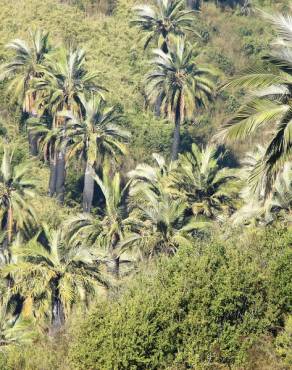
165, 18
98, 133
207, 186
270, 105
16, 190
27, 64
52, 275
65, 81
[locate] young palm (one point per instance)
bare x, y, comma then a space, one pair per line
146, 178
104, 234
269, 107
15, 331
16, 191
26, 64
165, 18
180, 84
64, 84
207, 187
115, 213
52, 276
159, 226
93, 137
256, 207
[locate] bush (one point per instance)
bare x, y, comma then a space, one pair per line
284, 341
205, 307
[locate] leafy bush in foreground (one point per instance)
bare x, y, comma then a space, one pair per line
203, 308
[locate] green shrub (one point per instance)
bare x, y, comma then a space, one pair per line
284, 342
203, 308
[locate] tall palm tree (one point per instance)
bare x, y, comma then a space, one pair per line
206, 185
26, 64
181, 84
49, 140
165, 18
269, 107
17, 188
52, 275
94, 137
65, 82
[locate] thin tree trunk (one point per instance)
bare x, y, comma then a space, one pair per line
179, 117
116, 268
61, 175
32, 138
9, 224
4, 248
33, 145
53, 175
194, 4
115, 259
88, 189
176, 140
157, 106
58, 317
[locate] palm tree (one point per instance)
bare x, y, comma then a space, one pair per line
15, 331
27, 63
256, 208
115, 214
52, 275
269, 107
49, 140
147, 178
105, 234
94, 137
181, 85
165, 18
64, 84
281, 199
17, 188
159, 226
206, 185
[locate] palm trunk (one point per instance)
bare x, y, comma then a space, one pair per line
33, 145
179, 117
157, 106
61, 174
53, 175
176, 140
88, 189
9, 224
4, 248
115, 259
58, 317
32, 138
116, 268
194, 4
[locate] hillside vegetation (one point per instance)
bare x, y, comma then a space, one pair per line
145, 184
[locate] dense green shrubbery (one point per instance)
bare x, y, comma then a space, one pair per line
204, 307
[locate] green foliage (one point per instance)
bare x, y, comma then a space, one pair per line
219, 302
283, 342
203, 308
224, 63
